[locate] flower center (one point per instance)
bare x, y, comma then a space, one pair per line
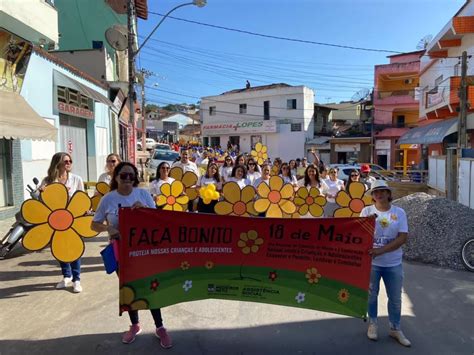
260, 154
239, 208
60, 220
356, 205
274, 196
171, 200
309, 200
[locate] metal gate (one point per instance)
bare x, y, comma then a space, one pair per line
73, 133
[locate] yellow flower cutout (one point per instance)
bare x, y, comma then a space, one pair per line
260, 153
185, 265
58, 221
312, 275
209, 193
249, 242
236, 202
101, 189
189, 180
128, 302
275, 198
352, 203
172, 197
309, 201
343, 295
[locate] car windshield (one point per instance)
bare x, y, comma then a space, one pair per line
169, 156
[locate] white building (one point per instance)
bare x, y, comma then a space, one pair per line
279, 116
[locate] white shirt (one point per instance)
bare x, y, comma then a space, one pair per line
253, 176
73, 183
323, 188
387, 226
241, 182
288, 180
225, 172
333, 188
202, 161
109, 205
204, 181
155, 186
105, 177
189, 166
260, 180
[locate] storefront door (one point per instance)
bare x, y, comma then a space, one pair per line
73, 133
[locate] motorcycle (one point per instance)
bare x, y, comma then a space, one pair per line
10, 241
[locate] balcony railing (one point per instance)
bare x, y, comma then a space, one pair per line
396, 93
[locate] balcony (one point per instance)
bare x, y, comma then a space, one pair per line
34, 20
395, 97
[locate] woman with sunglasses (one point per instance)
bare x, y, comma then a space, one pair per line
111, 162
162, 177
266, 170
253, 171
293, 167
354, 176
334, 186
60, 171
226, 169
124, 192
287, 176
210, 177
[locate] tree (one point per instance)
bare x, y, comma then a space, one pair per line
151, 107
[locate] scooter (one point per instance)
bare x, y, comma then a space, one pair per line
11, 240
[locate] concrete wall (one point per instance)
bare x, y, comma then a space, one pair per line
95, 62
18, 183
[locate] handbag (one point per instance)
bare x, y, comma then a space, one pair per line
109, 259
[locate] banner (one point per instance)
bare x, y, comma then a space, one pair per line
171, 257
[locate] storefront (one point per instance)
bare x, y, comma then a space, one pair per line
350, 150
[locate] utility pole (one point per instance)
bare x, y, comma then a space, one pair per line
144, 74
131, 81
462, 134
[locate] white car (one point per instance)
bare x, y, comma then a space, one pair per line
150, 144
159, 156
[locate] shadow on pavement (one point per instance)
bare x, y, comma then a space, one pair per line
85, 260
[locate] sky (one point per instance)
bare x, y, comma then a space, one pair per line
190, 61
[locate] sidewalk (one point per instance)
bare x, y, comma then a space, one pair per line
37, 319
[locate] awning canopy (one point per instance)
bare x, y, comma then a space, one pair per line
19, 121
430, 134
63, 80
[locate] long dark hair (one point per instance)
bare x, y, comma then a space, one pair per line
216, 176
244, 169
257, 167
54, 166
307, 180
225, 165
114, 183
157, 174
237, 159
349, 180
289, 170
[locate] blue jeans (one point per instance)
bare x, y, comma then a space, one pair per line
393, 279
72, 269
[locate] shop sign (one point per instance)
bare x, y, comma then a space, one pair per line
351, 147
239, 127
382, 144
382, 152
434, 99
69, 109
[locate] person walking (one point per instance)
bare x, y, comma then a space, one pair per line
391, 232
60, 171
162, 177
365, 177
210, 177
126, 193
185, 164
226, 169
112, 161
334, 186
253, 170
287, 176
239, 175
266, 170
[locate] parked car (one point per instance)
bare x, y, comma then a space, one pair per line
159, 156
345, 170
162, 146
150, 143
380, 170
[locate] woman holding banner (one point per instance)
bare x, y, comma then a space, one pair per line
391, 231
124, 192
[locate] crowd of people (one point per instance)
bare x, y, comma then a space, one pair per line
390, 233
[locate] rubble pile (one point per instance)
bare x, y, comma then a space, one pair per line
438, 227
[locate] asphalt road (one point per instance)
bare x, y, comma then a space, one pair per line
437, 316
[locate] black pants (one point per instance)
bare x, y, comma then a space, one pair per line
156, 313
203, 208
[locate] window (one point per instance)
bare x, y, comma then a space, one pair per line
212, 110
266, 110
296, 127
438, 80
243, 108
400, 121
291, 104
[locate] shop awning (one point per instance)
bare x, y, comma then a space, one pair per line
430, 134
63, 80
18, 120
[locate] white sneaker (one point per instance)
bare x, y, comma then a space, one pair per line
64, 283
372, 331
76, 287
400, 337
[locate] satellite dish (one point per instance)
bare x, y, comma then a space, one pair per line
117, 37
423, 43
360, 95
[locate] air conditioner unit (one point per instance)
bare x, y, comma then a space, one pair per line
408, 81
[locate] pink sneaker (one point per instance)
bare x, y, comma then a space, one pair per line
165, 339
129, 337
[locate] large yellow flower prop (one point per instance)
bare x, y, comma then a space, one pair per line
352, 203
189, 180
172, 197
102, 188
310, 201
249, 242
209, 193
236, 202
260, 153
59, 222
274, 199
128, 302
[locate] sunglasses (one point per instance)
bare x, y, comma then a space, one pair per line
67, 161
127, 176
332, 172
354, 175
111, 161
251, 164
165, 168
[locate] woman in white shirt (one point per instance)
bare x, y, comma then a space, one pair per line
287, 176
210, 177
334, 186
239, 175
265, 176
226, 169
112, 161
293, 167
253, 171
162, 177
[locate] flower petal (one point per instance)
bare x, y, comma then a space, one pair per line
192, 193
79, 204
367, 200
247, 194
231, 191
182, 200
161, 199
252, 234
261, 205
302, 192
55, 196
176, 173
67, 246
38, 237
263, 189
276, 183
138, 305
316, 210
343, 212
177, 188
299, 201
241, 244
102, 188
189, 179
246, 250
258, 241
95, 202
177, 207
314, 192
35, 212
168, 207
303, 210
127, 295
343, 199
250, 209
320, 200
263, 149
258, 147
82, 225
274, 211
243, 236
287, 206
166, 189
356, 189
254, 248
287, 191
223, 208
254, 153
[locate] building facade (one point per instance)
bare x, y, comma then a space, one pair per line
279, 116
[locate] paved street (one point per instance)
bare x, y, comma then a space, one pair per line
37, 319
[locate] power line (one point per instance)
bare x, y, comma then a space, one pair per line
277, 37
